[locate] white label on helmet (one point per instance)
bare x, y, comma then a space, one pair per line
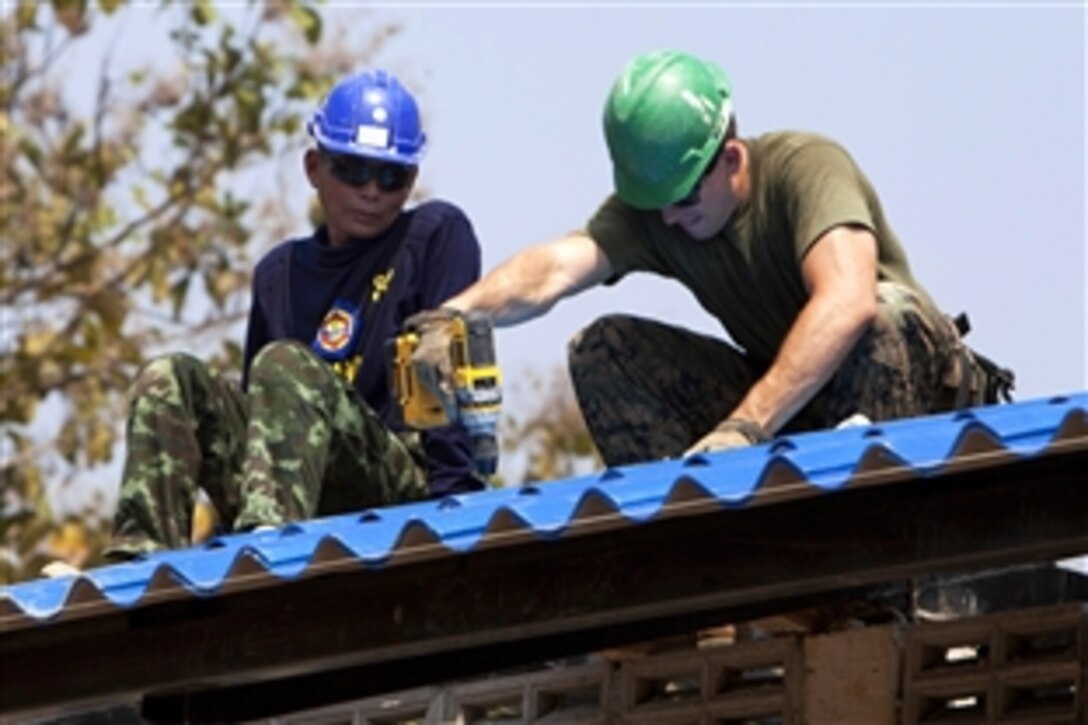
372, 136
380, 114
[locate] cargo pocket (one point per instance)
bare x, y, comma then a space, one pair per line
972, 378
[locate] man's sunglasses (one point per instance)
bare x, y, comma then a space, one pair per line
356, 172
695, 195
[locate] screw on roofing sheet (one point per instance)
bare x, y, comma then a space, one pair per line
528, 490
449, 502
611, 474
369, 517
781, 445
696, 461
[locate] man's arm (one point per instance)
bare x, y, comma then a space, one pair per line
530, 283
840, 274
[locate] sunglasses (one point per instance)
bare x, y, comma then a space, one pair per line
695, 195
356, 173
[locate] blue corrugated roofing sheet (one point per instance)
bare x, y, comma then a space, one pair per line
799, 465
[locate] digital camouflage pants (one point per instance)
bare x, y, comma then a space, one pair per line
299, 443
649, 390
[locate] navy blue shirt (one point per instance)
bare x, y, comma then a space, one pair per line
350, 300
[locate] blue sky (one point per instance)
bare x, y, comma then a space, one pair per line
968, 117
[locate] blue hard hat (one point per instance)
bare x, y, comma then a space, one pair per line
370, 114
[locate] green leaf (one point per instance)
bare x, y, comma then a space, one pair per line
203, 12
25, 14
111, 306
109, 6
139, 195
178, 292
308, 21
72, 14
32, 152
68, 441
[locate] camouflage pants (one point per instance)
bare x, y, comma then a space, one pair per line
300, 443
649, 390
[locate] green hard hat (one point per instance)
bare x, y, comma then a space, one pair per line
664, 119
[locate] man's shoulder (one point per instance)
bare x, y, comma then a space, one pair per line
437, 223
441, 211
788, 142
614, 210
277, 256
797, 159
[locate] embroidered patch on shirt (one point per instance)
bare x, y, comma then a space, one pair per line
337, 336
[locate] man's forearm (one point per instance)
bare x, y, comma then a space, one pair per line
513, 292
530, 283
823, 335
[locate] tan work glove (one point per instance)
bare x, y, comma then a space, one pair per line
730, 433
431, 359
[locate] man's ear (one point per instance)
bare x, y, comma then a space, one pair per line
311, 162
732, 154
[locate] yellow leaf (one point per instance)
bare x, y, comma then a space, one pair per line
21, 409
34, 486
100, 443
49, 373
26, 14
203, 12
37, 342
72, 14
308, 21
205, 197
111, 307
108, 6
160, 284
68, 542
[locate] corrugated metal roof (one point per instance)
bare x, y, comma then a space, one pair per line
789, 467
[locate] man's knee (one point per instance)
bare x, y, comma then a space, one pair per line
286, 373
604, 333
284, 359
163, 374
899, 306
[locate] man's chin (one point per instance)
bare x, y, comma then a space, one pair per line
368, 229
699, 234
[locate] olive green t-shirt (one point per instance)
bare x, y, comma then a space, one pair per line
749, 274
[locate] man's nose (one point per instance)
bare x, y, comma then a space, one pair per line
671, 214
370, 189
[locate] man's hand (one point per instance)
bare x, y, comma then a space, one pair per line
730, 433
431, 359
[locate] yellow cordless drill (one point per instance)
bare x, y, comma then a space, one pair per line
476, 394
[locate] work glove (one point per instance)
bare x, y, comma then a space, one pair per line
431, 358
730, 433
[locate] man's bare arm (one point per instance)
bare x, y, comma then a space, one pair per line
530, 283
840, 273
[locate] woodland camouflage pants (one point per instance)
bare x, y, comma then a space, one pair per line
649, 391
299, 443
